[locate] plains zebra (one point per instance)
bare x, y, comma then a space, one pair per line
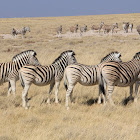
45, 75
74, 29
83, 29
21, 31
84, 74
131, 27
59, 30
138, 29
119, 74
94, 27
108, 28
9, 70
125, 26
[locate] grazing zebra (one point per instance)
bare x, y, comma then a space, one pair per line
9, 71
125, 26
21, 31
45, 75
59, 30
108, 28
83, 29
94, 27
84, 74
74, 29
138, 29
119, 74
131, 27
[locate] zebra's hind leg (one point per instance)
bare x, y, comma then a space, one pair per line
13, 87
136, 91
25, 102
69, 93
109, 92
50, 91
131, 91
57, 84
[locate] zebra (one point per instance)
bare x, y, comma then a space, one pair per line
108, 28
45, 75
21, 31
131, 27
121, 74
74, 29
83, 29
138, 29
125, 26
9, 71
59, 31
94, 27
84, 74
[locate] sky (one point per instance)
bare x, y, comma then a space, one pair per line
55, 8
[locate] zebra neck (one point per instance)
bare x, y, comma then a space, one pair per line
60, 65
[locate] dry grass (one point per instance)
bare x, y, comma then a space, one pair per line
85, 119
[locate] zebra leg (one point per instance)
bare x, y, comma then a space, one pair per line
131, 91
57, 84
109, 92
136, 91
25, 102
9, 89
68, 93
13, 87
50, 91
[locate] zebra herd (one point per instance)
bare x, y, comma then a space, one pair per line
106, 28
111, 71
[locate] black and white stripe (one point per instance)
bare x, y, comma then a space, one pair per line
44, 75
121, 74
9, 71
22, 31
84, 74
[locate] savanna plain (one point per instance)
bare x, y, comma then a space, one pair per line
86, 119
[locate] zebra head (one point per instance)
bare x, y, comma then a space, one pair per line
71, 57
26, 57
113, 56
26, 29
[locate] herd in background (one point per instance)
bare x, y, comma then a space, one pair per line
74, 29
111, 71
106, 28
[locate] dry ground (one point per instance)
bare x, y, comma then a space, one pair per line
86, 120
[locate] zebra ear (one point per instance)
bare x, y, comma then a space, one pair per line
119, 54
71, 53
33, 54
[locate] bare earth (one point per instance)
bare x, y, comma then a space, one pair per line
86, 120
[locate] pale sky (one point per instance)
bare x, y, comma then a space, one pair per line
53, 8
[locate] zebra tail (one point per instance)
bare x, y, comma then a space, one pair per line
65, 81
21, 80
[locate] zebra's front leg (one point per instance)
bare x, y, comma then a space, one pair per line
136, 91
12, 87
131, 91
50, 91
25, 102
69, 93
9, 89
57, 84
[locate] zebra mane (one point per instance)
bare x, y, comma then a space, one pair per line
137, 55
65, 52
24, 52
108, 55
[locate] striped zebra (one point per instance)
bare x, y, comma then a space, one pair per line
131, 27
121, 74
95, 27
59, 31
83, 29
84, 74
108, 28
125, 26
9, 71
20, 31
45, 75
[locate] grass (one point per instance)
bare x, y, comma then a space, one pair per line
85, 119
